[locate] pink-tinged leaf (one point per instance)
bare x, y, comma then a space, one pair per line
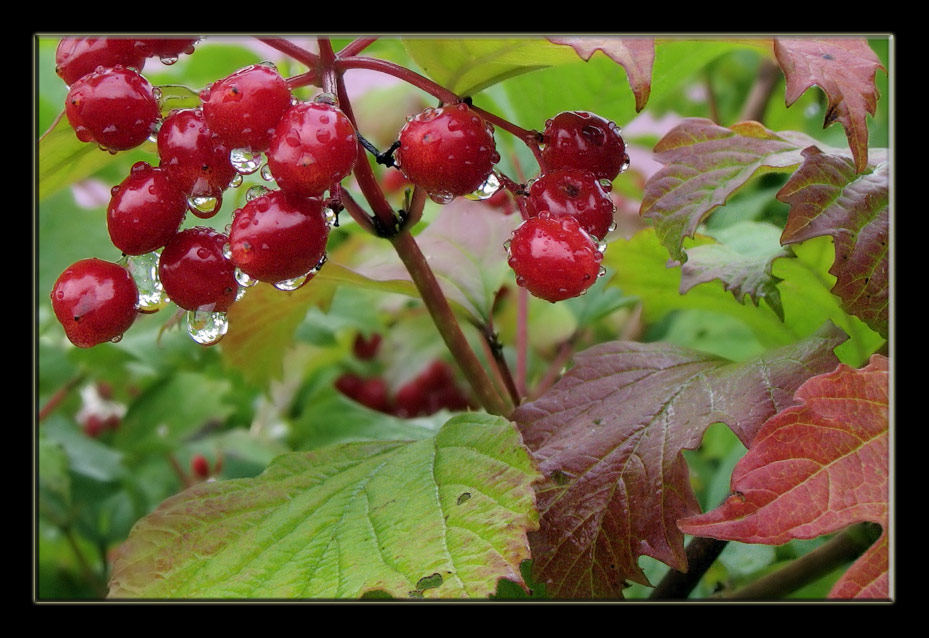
704, 164
635, 55
814, 469
827, 197
844, 69
608, 438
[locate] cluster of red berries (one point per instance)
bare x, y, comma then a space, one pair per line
556, 252
278, 237
431, 390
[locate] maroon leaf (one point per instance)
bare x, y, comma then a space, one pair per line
827, 197
814, 469
706, 163
635, 55
844, 69
608, 438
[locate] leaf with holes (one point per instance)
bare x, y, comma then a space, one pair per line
706, 163
827, 197
443, 517
609, 435
635, 55
814, 469
844, 69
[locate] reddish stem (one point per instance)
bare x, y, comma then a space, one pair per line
408, 76
355, 47
59, 396
289, 48
522, 338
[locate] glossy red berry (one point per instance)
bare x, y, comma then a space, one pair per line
77, 57
314, 147
244, 108
275, 238
449, 151
194, 272
146, 210
576, 193
553, 257
432, 390
96, 301
115, 108
193, 155
582, 140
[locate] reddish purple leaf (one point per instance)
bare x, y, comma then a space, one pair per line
844, 69
706, 163
608, 438
814, 469
635, 55
827, 197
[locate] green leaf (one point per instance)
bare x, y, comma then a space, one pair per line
391, 517
54, 482
468, 65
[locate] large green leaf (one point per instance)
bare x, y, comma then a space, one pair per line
468, 65
444, 517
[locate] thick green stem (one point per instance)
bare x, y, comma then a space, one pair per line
447, 324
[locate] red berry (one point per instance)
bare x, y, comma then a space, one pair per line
113, 107
371, 393
145, 211
95, 301
275, 238
200, 467
366, 348
244, 108
449, 151
432, 390
553, 257
576, 193
194, 272
314, 147
167, 48
582, 140
77, 57
193, 155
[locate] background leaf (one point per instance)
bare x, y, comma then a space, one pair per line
441, 517
609, 436
827, 197
845, 70
813, 469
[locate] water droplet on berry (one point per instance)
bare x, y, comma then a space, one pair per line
602, 271
204, 207
331, 218
625, 165
486, 190
326, 98
289, 285
156, 93
237, 180
266, 173
244, 279
168, 59
207, 327
144, 270
116, 339
612, 225
239, 293
506, 245
256, 191
245, 161
601, 246
442, 197
227, 249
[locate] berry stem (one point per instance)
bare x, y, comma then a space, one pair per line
357, 212
326, 67
296, 52
522, 338
310, 78
502, 368
532, 139
444, 319
408, 76
59, 396
356, 46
